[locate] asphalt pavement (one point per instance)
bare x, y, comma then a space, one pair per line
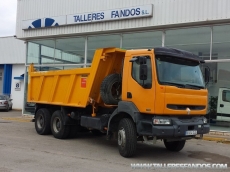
22, 149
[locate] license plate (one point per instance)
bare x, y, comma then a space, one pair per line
192, 132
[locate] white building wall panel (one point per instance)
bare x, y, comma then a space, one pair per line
12, 50
17, 96
165, 12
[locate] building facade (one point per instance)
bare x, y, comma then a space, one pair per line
61, 34
12, 69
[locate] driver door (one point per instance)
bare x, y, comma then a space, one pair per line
141, 92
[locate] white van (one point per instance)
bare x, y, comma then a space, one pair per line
223, 105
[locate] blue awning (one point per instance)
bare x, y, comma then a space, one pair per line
21, 77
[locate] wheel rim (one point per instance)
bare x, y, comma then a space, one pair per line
57, 124
40, 122
116, 90
121, 137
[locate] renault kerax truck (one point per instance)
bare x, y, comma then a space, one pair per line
130, 95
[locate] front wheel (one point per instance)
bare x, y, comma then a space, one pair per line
174, 146
59, 130
127, 137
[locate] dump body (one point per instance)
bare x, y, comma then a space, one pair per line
74, 87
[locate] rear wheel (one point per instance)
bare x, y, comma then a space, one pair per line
42, 121
59, 130
127, 137
174, 146
7, 108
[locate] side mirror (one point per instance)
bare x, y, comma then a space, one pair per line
206, 75
142, 60
143, 72
139, 59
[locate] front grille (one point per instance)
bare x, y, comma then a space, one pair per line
184, 107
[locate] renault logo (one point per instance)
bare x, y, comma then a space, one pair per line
188, 111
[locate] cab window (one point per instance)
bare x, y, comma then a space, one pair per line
136, 72
226, 96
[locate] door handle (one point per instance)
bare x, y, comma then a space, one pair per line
221, 105
129, 95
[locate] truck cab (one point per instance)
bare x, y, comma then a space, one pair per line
173, 82
165, 90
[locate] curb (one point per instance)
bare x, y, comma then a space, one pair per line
218, 140
217, 136
219, 133
18, 119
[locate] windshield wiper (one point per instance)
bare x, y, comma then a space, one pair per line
194, 86
183, 85
173, 84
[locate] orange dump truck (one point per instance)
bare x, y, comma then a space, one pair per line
133, 95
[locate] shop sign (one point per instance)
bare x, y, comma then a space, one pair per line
17, 86
110, 15
88, 17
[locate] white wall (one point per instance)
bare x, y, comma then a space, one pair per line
17, 96
13, 51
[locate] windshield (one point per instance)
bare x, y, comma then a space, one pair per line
179, 72
2, 98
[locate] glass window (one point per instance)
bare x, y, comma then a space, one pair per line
195, 40
136, 73
28, 108
40, 52
102, 41
142, 40
179, 72
226, 96
216, 120
70, 50
221, 42
32, 53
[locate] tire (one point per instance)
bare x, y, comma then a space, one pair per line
59, 130
7, 109
42, 121
127, 137
110, 89
174, 146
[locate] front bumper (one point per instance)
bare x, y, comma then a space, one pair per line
178, 128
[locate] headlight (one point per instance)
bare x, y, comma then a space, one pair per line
161, 121
205, 120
